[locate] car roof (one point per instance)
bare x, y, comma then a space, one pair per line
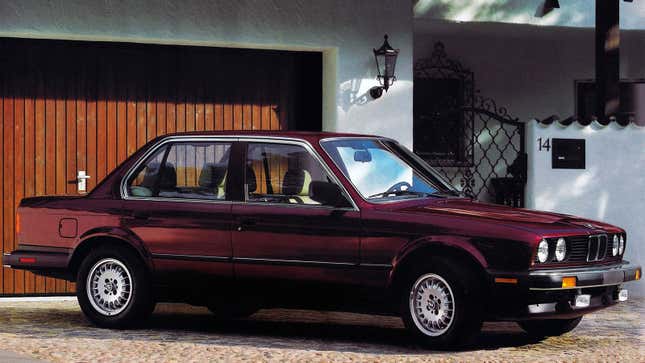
305, 135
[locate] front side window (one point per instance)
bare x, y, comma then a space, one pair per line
281, 173
190, 170
382, 170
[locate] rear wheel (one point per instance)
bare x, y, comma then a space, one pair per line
547, 328
440, 305
113, 288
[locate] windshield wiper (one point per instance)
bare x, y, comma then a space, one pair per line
397, 193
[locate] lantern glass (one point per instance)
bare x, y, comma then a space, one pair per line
386, 63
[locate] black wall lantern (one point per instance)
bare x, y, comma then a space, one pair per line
385, 62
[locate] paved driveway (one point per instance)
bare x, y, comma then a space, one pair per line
57, 331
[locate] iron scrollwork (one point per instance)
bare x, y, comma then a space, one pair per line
491, 161
443, 84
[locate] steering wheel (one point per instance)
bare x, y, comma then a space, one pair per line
398, 187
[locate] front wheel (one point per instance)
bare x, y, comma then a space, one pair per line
548, 328
113, 288
441, 305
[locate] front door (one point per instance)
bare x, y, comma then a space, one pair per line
177, 203
282, 234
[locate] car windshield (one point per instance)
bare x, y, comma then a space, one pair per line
383, 170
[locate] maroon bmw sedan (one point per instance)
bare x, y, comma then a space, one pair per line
242, 221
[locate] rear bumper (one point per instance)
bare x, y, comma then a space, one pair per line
541, 294
43, 261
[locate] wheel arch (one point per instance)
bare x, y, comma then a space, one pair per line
107, 236
456, 249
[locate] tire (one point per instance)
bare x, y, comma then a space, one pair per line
549, 328
434, 289
119, 294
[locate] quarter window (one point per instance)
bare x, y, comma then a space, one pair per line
281, 173
195, 170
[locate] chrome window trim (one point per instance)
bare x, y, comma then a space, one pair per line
232, 139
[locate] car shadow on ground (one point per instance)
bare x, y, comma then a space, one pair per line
285, 329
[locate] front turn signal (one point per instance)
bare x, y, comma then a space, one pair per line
638, 274
568, 282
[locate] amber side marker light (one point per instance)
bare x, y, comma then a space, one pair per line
638, 274
568, 282
505, 280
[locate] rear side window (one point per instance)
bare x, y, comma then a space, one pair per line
190, 170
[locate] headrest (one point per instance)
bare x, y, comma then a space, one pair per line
293, 181
167, 177
150, 176
212, 175
251, 180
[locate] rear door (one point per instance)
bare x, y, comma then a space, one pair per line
177, 201
280, 233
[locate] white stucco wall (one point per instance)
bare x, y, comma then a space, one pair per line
345, 31
528, 69
610, 189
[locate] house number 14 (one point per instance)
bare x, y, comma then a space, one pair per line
544, 144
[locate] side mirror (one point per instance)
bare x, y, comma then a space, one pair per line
327, 194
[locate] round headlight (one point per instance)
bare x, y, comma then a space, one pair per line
543, 251
621, 246
560, 249
614, 246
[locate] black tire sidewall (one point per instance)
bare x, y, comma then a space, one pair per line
140, 303
467, 320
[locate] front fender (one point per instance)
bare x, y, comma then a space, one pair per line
458, 245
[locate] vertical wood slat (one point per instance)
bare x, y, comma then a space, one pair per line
70, 140
7, 174
60, 185
18, 181
40, 151
78, 107
29, 159
111, 122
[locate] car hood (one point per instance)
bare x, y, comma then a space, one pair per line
542, 223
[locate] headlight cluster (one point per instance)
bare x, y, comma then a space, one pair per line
557, 251
618, 245
580, 249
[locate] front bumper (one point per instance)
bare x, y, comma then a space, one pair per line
550, 294
596, 276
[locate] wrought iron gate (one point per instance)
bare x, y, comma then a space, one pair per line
476, 144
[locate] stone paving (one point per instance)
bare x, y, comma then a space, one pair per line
57, 331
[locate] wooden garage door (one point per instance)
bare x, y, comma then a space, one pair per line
69, 106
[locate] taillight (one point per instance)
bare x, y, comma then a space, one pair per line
27, 260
